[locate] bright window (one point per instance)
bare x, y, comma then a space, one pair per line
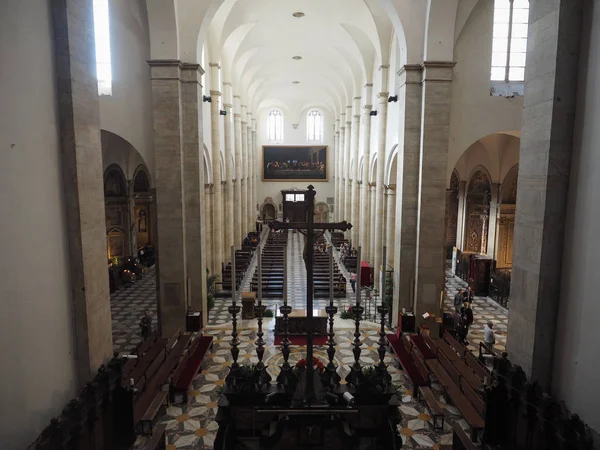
314, 126
509, 46
299, 197
102, 37
275, 125
290, 197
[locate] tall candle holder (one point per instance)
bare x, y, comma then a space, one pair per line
265, 378
286, 376
386, 377
234, 310
332, 378
357, 309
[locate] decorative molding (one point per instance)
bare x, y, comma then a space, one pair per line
367, 107
227, 105
226, 83
356, 116
215, 93
357, 98
369, 85
384, 66
236, 96
217, 65
383, 95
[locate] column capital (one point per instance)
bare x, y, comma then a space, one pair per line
357, 98
226, 83
217, 65
236, 96
227, 105
367, 108
411, 74
236, 116
383, 67
368, 85
438, 71
356, 116
383, 95
390, 189
215, 93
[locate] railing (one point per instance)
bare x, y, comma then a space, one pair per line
500, 286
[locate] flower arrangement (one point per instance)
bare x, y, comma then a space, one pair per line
317, 364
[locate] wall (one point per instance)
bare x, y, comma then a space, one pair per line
36, 330
128, 111
294, 137
575, 360
474, 113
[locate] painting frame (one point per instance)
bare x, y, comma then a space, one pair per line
267, 157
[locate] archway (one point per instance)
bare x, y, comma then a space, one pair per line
452, 213
115, 200
478, 211
506, 219
268, 212
322, 212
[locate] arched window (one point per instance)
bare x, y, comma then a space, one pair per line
314, 125
275, 125
102, 37
509, 48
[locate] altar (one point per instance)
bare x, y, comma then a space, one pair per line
298, 323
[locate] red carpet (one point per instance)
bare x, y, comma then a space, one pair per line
301, 340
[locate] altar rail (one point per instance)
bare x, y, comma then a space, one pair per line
520, 416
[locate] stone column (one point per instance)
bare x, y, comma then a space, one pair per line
379, 203
347, 169
245, 198
170, 201
256, 170
193, 184
208, 202
435, 124
544, 167
217, 213
390, 226
77, 103
342, 166
364, 189
354, 145
132, 225
250, 165
228, 216
407, 182
237, 218
492, 221
336, 178
462, 212
372, 205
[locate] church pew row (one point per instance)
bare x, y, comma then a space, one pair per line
181, 385
408, 363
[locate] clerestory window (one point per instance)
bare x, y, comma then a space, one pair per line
102, 38
275, 125
314, 125
509, 48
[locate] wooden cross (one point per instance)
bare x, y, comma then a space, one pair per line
310, 227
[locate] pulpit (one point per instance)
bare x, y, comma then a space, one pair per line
248, 299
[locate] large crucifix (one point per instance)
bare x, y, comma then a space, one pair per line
308, 228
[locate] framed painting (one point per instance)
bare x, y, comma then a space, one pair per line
294, 163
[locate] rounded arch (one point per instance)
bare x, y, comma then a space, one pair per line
479, 180
373, 170
207, 166
268, 209
119, 151
321, 212
162, 20
391, 166
508, 189
455, 181
115, 182
141, 179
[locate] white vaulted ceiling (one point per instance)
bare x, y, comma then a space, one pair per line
340, 42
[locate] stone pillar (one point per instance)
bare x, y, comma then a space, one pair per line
245, 198
193, 183
372, 205
132, 225
77, 103
347, 169
462, 213
390, 226
435, 124
407, 182
379, 203
336, 179
493, 218
256, 171
208, 233
228, 216
217, 213
364, 188
342, 166
250, 165
544, 167
354, 145
237, 218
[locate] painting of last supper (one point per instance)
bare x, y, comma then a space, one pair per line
295, 163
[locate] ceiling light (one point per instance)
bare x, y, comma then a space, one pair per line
296, 82
298, 14
297, 58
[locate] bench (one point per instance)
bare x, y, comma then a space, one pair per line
151, 414
422, 346
460, 440
437, 412
407, 362
195, 358
158, 441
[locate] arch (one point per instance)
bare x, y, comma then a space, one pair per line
275, 125
119, 151
455, 181
314, 125
207, 166
391, 166
141, 179
373, 170
439, 30
508, 189
321, 212
477, 178
115, 182
478, 209
268, 207
162, 21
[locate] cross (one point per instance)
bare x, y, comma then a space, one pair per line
310, 226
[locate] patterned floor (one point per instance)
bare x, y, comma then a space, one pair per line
192, 426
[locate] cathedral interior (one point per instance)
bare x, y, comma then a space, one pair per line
341, 224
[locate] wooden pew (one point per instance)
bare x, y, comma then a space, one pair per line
437, 412
158, 441
460, 440
193, 364
407, 362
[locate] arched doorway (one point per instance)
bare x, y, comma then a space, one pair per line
144, 208
322, 212
268, 212
506, 219
478, 210
116, 211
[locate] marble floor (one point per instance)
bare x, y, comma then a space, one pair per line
192, 426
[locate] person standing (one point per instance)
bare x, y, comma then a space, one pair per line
146, 324
353, 281
458, 300
468, 319
489, 338
462, 329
